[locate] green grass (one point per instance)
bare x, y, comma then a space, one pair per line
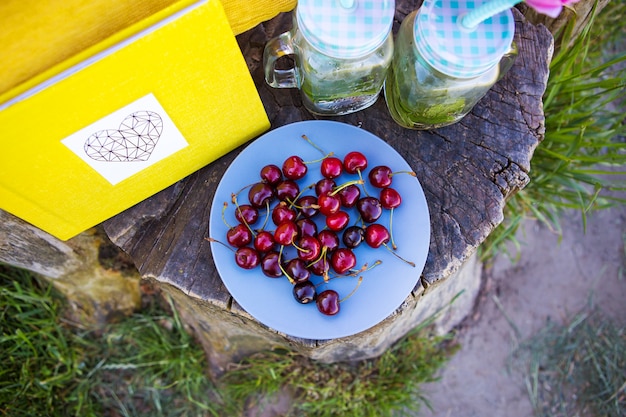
149, 365
386, 386
581, 163
146, 365
578, 368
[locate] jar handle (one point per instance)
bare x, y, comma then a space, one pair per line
508, 60
274, 49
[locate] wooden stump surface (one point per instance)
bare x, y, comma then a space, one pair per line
467, 170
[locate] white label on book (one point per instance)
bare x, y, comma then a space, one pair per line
128, 140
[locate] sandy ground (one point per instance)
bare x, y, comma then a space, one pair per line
552, 280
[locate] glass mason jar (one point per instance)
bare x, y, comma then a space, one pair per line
341, 52
441, 70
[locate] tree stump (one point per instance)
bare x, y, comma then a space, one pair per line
97, 279
467, 171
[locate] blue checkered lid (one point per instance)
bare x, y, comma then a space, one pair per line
454, 50
345, 28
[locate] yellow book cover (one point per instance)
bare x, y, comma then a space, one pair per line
130, 116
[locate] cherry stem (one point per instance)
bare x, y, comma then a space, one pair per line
393, 244
280, 265
358, 284
305, 137
224, 216
346, 184
411, 173
233, 198
398, 256
210, 239
328, 155
362, 183
319, 258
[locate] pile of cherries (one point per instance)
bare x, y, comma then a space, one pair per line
277, 228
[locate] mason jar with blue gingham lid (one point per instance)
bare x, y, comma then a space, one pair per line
441, 68
341, 49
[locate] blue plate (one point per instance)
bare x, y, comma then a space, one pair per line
383, 288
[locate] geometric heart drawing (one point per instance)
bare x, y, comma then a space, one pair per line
134, 141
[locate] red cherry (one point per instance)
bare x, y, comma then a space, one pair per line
304, 292
264, 241
328, 302
239, 236
260, 194
354, 162
380, 176
296, 269
308, 206
287, 190
270, 265
329, 204
349, 195
247, 258
369, 208
328, 239
337, 221
309, 248
294, 168
324, 185
390, 198
271, 174
331, 167
342, 260
306, 227
320, 267
246, 214
285, 233
376, 235
282, 213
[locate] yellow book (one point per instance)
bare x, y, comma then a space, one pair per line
125, 118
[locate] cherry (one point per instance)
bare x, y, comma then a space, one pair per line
328, 302
294, 168
337, 221
309, 248
264, 241
353, 236
247, 258
390, 198
260, 194
296, 269
320, 267
349, 195
285, 233
376, 235
239, 236
287, 190
246, 214
270, 265
369, 208
308, 206
354, 162
306, 227
342, 260
329, 203
271, 174
304, 292
331, 167
324, 185
328, 239
381, 176
281, 213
